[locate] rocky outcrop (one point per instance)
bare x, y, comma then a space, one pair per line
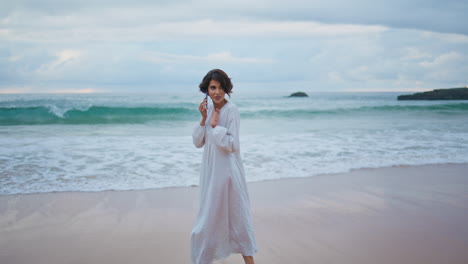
438, 94
299, 94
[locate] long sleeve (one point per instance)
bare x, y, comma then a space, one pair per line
198, 136
227, 138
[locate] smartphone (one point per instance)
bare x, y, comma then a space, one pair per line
206, 98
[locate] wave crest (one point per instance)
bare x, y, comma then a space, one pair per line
40, 115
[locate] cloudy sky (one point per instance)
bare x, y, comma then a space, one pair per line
158, 45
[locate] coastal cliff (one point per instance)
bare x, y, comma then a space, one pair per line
438, 94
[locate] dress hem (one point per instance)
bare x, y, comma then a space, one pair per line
235, 252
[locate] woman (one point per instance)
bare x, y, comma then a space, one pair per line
223, 224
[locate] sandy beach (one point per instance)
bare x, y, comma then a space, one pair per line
405, 214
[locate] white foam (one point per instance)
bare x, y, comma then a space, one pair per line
95, 158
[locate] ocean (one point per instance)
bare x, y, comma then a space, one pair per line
97, 142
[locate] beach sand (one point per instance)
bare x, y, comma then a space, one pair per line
405, 214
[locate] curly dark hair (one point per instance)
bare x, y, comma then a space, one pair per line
221, 77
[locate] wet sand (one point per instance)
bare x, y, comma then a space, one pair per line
406, 214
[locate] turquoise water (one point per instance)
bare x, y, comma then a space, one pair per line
40, 115
94, 142
121, 109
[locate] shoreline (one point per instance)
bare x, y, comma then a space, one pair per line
396, 214
252, 182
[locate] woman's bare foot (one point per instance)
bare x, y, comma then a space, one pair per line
248, 259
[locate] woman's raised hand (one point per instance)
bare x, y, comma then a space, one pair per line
202, 108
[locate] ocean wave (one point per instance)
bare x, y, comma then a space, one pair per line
457, 108
41, 115
51, 114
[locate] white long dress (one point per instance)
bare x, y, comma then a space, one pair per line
223, 224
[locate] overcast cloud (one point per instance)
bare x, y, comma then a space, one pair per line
119, 46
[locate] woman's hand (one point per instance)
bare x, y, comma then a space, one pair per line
214, 118
202, 108
203, 111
